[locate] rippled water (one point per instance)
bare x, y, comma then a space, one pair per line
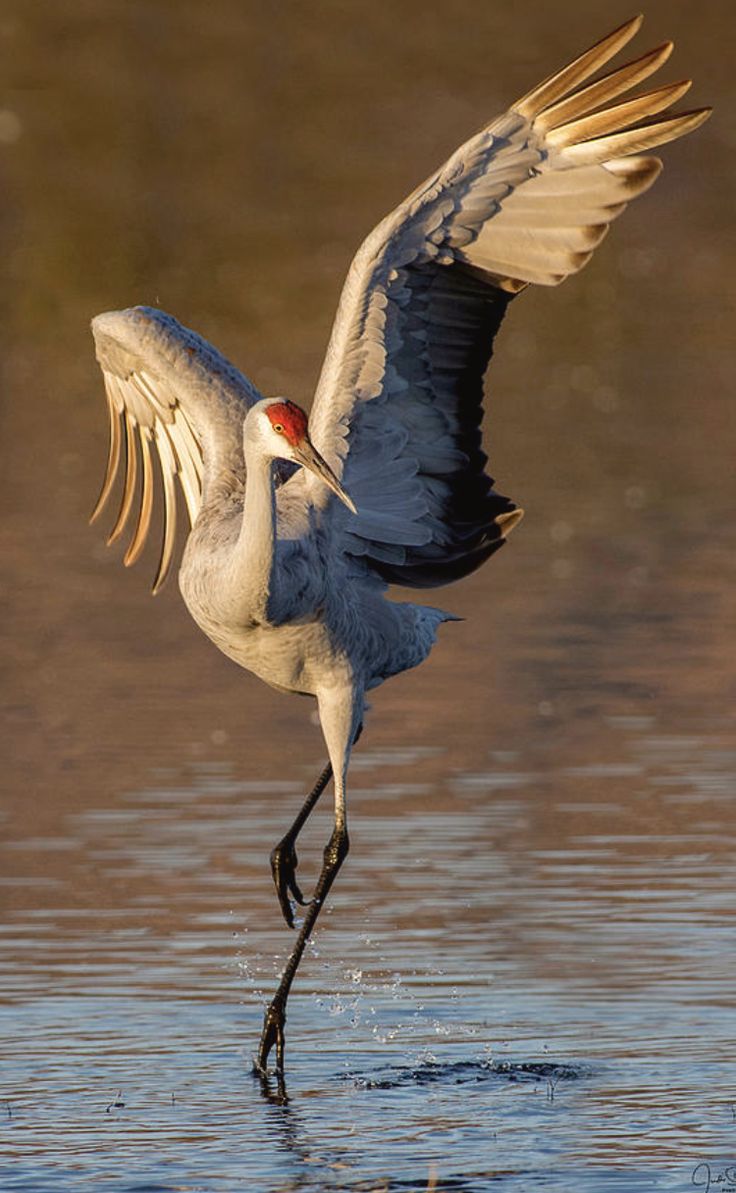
525, 977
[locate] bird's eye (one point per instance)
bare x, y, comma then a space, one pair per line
278, 427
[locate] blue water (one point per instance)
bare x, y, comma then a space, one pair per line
483, 1008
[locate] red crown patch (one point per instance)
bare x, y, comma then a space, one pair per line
291, 418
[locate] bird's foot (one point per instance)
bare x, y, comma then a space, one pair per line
277, 1096
283, 867
273, 1034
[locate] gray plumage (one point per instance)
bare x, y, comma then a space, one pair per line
282, 569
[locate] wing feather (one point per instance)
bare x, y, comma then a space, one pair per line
634, 140
131, 473
168, 471
113, 458
144, 516
617, 117
189, 463
169, 388
587, 99
526, 200
560, 84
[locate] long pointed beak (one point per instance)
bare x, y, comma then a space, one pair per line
310, 458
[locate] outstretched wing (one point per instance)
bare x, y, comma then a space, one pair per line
166, 388
399, 403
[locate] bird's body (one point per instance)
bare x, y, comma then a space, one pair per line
329, 630
309, 623
282, 577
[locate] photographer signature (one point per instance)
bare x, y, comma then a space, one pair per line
721, 1179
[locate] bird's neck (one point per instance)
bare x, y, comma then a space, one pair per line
253, 554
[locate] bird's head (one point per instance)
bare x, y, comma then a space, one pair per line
279, 427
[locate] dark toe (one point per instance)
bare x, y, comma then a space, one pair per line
283, 868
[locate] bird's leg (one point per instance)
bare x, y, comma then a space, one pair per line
340, 720
275, 1019
283, 857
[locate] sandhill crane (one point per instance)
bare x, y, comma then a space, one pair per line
285, 579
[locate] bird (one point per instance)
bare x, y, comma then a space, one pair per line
299, 523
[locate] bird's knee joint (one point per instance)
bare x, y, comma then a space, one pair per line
283, 849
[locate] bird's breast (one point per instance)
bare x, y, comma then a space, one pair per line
298, 656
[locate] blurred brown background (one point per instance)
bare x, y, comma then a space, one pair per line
223, 161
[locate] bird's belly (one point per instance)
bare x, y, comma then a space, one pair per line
295, 658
